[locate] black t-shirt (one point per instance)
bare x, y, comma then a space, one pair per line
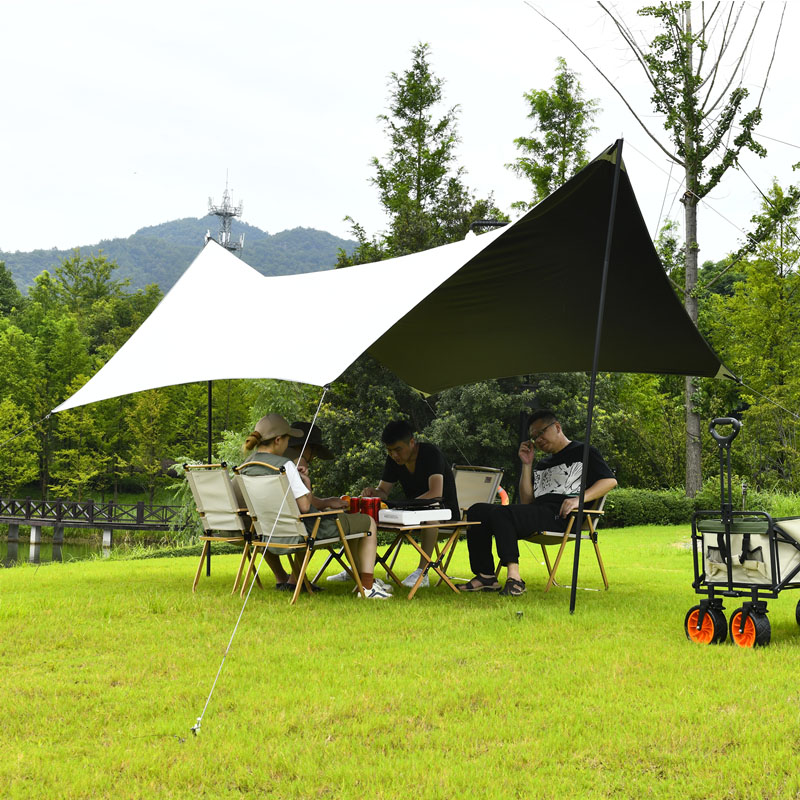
559, 475
430, 461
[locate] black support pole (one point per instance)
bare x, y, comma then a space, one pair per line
590, 406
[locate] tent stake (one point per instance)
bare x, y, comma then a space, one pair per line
593, 382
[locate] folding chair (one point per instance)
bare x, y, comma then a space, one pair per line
278, 523
220, 510
592, 511
473, 485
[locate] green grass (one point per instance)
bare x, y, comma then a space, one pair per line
107, 664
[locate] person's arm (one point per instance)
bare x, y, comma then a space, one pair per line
526, 476
597, 489
300, 491
435, 487
328, 503
381, 490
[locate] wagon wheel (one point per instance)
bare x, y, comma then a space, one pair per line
797, 612
713, 630
756, 631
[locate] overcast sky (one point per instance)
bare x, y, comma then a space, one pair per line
119, 115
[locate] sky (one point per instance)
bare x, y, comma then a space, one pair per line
121, 115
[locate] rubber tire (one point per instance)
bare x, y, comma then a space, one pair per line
757, 630
714, 630
797, 612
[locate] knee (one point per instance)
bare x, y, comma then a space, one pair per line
478, 512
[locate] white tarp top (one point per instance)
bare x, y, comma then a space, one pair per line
223, 319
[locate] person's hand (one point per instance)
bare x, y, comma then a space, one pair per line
338, 503
568, 506
526, 452
369, 491
303, 469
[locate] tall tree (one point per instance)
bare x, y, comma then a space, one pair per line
420, 185
758, 327
691, 65
556, 149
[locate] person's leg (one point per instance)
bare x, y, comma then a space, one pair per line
428, 537
479, 544
366, 555
276, 565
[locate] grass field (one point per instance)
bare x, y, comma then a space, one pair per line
106, 666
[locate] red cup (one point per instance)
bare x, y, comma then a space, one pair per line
355, 505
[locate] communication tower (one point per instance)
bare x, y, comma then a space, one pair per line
226, 212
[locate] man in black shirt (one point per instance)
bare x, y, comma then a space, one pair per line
423, 472
548, 493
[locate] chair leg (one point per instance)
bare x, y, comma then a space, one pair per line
551, 580
301, 578
349, 554
600, 563
322, 569
203, 556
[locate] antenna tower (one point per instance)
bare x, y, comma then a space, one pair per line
226, 212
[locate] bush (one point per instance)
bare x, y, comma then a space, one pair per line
626, 507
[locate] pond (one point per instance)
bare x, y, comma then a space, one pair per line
12, 553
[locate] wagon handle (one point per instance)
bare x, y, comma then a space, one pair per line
732, 421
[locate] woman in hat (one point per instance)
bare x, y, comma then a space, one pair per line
268, 444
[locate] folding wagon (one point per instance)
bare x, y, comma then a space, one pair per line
739, 554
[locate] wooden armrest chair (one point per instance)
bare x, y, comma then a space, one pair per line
281, 529
593, 512
222, 512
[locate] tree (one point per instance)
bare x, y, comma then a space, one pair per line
562, 119
10, 296
691, 69
19, 458
420, 186
758, 327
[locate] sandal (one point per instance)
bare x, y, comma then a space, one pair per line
513, 588
480, 584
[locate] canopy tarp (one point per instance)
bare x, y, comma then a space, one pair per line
518, 300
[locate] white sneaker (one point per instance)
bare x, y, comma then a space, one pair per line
375, 593
412, 579
387, 587
340, 577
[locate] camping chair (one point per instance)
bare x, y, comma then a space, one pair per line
473, 485
220, 510
592, 511
278, 523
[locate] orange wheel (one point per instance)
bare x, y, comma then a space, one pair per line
756, 632
712, 631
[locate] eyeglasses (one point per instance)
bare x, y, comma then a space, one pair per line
538, 435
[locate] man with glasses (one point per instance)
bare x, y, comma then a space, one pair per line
548, 493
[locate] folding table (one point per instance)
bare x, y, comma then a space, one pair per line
407, 533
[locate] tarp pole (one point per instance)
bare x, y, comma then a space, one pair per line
592, 384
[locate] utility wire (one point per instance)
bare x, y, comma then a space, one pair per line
33, 425
196, 727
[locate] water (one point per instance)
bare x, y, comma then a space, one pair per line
12, 553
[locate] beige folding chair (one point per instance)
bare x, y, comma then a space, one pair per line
473, 485
278, 523
221, 510
592, 511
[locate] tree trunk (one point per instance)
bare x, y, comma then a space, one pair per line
694, 473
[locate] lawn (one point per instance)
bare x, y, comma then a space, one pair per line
107, 664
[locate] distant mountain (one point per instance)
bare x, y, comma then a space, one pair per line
160, 254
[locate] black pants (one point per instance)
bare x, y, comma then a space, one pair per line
508, 524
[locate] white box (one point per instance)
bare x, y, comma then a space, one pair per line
400, 516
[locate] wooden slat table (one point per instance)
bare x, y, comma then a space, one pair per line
408, 534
